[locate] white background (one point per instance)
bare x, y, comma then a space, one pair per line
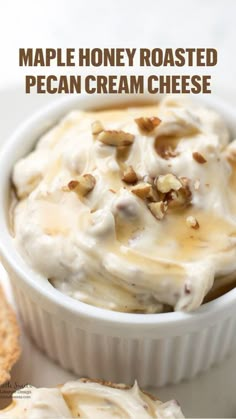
123, 23
103, 23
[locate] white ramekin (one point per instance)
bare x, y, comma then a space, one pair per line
155, 349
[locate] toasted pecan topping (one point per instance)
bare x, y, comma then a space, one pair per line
166, 152
72, 185
192, 222
129, 175
115, 138
178, 199
82, 185
142, 190
199, 157
158, 209
166, 183
147, 124
181, 197
122, 152
173, 190
96, 127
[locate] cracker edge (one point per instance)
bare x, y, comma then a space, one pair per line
14, 351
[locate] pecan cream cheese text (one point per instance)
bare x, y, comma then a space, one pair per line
87, 399
131, 210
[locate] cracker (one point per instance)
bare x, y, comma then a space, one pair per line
9, 338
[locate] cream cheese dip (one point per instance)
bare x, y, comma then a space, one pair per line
88, 400
133, 209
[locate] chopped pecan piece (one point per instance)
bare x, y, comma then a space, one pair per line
181, 197
82, 185
115, 138
166, 183
129, 175
147, 124
122, 152
142, 190
192, 222
158, 209
199, 157
166, 152
72, 185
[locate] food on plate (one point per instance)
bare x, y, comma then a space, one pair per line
88, 399
135, 208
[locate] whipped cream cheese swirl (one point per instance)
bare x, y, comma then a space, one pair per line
133, 209
88, 400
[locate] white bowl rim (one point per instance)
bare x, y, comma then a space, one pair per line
210, 312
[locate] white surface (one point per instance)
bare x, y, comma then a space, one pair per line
106, 23
209, 395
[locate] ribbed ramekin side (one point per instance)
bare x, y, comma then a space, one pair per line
153, 362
